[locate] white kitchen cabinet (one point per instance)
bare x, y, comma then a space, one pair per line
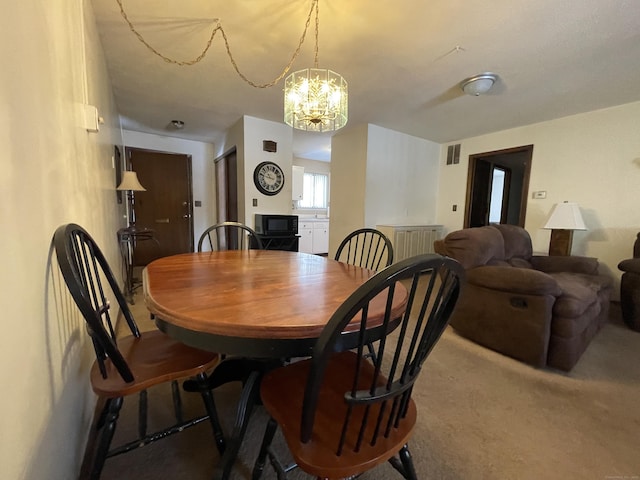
297, 182
314, 236
321, 237
305, 243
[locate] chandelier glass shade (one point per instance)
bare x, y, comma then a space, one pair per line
315, 100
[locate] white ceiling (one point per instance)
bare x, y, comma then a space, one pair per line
554, 58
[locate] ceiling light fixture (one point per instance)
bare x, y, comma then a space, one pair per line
177, 124
316, 99
478, 84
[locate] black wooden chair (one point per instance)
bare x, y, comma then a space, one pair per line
131, 364
230, 236
366, 247
342, 414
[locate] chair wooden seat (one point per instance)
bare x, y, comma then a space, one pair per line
345, 410
282, 392
154, 358
132, 364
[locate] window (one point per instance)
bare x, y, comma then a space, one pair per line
314, 190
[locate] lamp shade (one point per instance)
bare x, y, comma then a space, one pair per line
565, 216
130, 182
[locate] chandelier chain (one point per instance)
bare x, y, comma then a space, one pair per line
218, 27
317, 30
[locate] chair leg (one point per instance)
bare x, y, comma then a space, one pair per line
407, 463
212, 411
248, 399
177, 401
269, 433
109, 418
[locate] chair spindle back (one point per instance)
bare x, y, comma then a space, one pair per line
379, 395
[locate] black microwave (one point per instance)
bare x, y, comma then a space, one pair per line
276, 225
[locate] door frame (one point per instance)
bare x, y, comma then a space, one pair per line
474, 160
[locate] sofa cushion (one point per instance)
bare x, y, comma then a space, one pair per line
579, 292
517, 242
473, 247
519, 263
514, 280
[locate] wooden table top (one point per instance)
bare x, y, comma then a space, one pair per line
256, 294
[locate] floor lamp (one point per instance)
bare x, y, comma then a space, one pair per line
564, 219
131, 184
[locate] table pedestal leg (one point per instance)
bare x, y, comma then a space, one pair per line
249, 372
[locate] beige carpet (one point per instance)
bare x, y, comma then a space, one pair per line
481, 416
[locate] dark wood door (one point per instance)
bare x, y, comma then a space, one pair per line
166, 206
226, 168
479, 214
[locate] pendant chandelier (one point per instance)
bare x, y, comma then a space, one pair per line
315, 100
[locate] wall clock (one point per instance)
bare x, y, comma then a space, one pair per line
269, 178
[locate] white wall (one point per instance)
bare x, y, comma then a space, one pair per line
592, 159
402, 178
312, 166
380, 176
202, 171
247, 136
348, 183
53, 172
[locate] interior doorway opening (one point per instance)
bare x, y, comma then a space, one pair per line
226, 171
498, 187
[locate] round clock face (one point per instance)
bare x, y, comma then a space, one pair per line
269, 178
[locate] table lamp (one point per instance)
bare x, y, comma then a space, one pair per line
564, 219
131, 184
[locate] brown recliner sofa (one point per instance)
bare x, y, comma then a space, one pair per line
630, 288
542, 310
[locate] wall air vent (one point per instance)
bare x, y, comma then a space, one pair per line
453, 154
269, 146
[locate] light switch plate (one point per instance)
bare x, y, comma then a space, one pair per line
540, 194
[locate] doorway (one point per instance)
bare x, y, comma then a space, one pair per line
498, 187
165, 206
226, 168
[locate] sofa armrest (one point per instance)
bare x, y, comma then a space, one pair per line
523, 281
630, 265
572, 264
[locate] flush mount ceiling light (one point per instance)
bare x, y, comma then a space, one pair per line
478, 84
315, 99
177, 124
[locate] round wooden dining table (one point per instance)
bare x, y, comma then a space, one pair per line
258, 303
256, 306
